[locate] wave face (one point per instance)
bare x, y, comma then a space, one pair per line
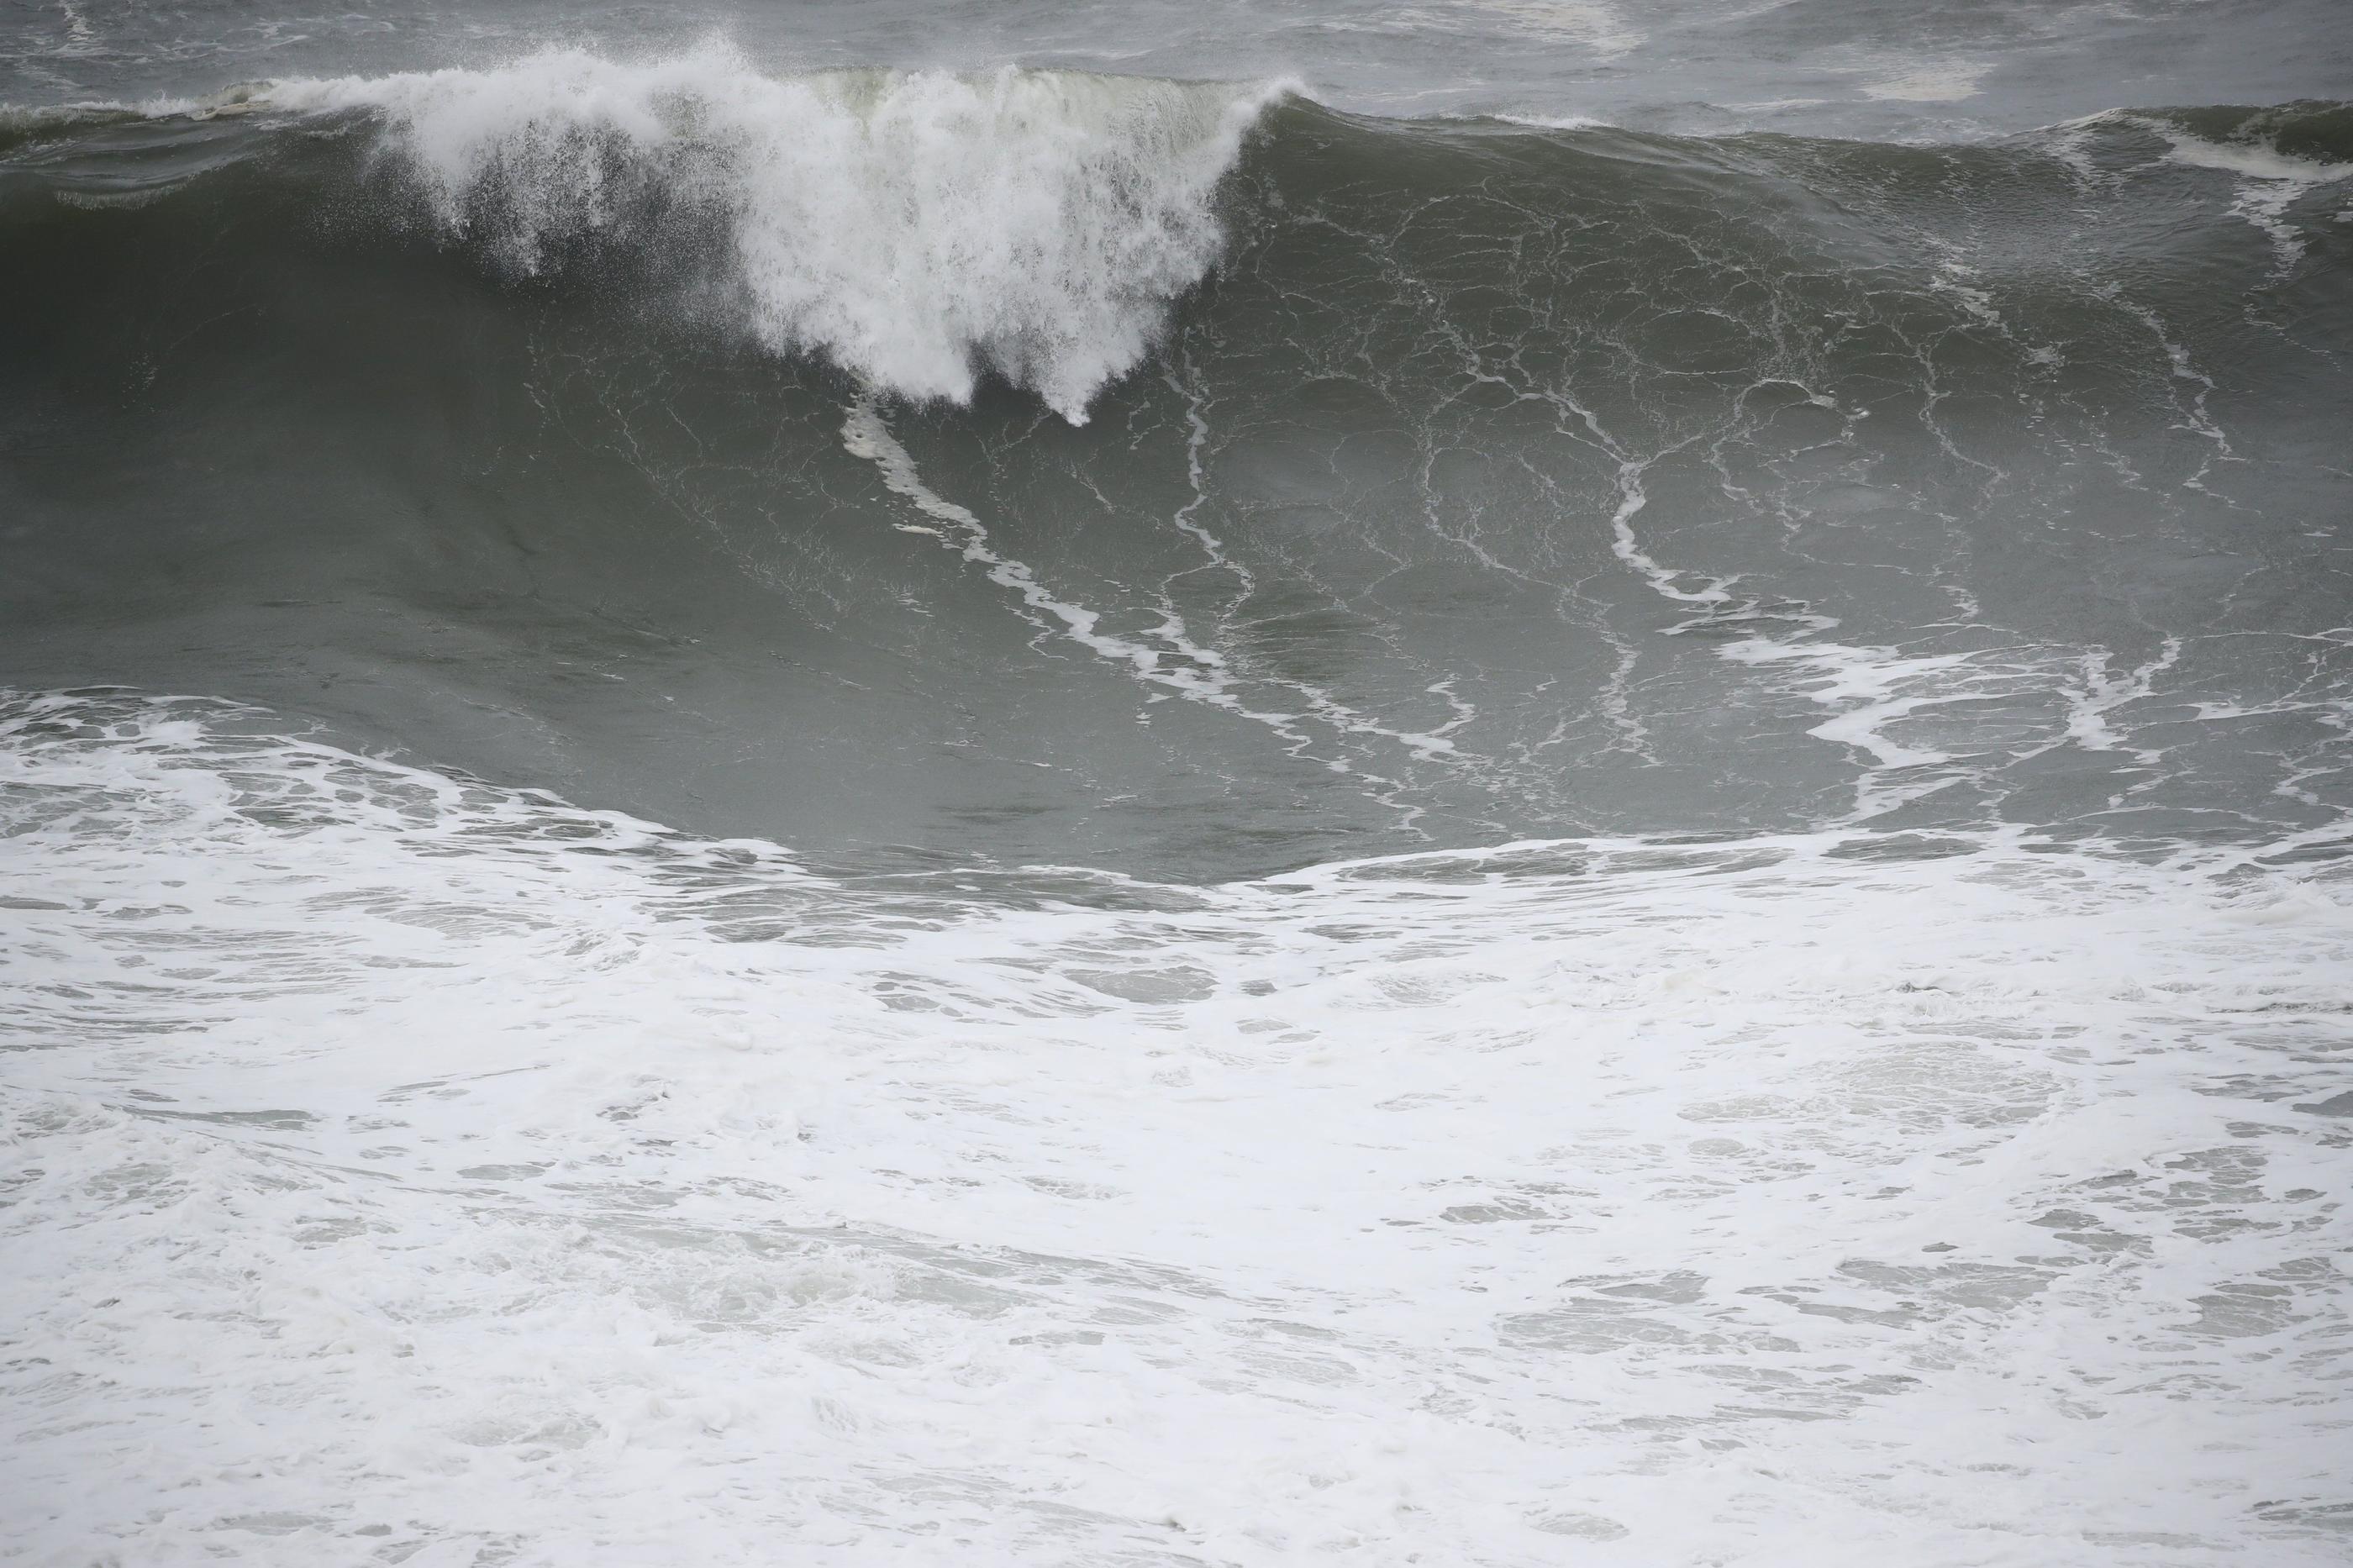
668, 434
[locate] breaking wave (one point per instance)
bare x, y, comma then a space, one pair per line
909, 226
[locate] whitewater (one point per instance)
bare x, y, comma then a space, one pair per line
596, 1191
1523, 786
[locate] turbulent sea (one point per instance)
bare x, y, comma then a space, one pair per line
1522, 784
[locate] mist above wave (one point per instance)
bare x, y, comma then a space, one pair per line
916, 227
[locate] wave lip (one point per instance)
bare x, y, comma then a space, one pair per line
914, 226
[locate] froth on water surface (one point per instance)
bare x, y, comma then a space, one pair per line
416, 1166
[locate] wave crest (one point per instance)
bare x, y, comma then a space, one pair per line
914, 226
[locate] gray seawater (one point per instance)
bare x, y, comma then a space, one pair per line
1497, 482
1175, 784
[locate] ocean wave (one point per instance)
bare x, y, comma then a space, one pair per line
1484, 478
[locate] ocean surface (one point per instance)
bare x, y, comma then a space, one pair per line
1527, 783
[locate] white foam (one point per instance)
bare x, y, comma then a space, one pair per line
2101, 692
1922, 720
2195, 416
400, 1168
2269, 182
1555, 121
1871, 689
916, 227
106, 201
1184, 667
1952, 83
1603, 29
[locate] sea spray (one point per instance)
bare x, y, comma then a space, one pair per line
917, 227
